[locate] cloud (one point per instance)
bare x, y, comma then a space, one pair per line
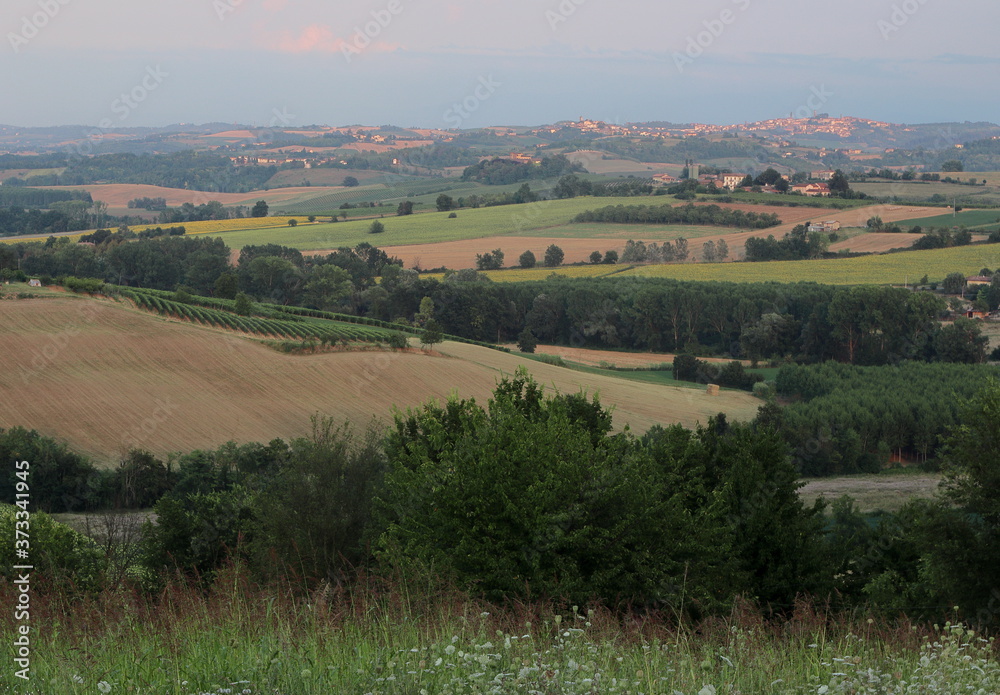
315, 37
319, 38
275, 5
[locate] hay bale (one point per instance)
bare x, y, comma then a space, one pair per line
713, 389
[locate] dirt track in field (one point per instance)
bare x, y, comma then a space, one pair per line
104, 378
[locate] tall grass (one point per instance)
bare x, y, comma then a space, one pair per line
241, 638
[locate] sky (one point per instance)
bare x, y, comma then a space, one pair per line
448, 64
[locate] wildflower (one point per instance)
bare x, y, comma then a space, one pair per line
77, 679
104, 687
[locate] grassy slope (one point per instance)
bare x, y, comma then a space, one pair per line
431, 227
105, 377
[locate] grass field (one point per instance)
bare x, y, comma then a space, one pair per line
889, 269
972, 219
923, 190
104, 377
887, 491
241, 638
430, 227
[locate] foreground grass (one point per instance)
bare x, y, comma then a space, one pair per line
237, 639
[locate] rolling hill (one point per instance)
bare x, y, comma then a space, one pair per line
105, 377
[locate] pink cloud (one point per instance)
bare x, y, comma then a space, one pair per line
318, 38
314, 37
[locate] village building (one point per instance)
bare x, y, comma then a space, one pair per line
812, 189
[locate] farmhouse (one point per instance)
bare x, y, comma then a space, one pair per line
828, 226
824, 175
731, 181
973, 314
664, 178
978, 280
812, 189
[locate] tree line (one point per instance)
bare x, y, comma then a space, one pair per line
533, 496
802, 321
499, 171
687, 214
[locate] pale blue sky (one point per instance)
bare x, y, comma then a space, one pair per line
500, 61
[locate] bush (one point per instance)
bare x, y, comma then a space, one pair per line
397, 341
527, 342
531, 498
376, 227
59, 555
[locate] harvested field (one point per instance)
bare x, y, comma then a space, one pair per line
618, 359
876, 242
104, 377
117, 195
888, 492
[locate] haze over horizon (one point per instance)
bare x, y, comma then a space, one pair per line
441, 64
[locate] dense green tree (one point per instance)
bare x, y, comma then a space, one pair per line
376, 227
444, 202
326, 288
527, 259
553, 256
404, 208
526, 341
962, 341
532, 498
491, 260
260, 209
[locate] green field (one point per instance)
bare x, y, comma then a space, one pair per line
973, 219
923, 190
435, 227
884, 269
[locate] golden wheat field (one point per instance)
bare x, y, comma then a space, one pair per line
105, 377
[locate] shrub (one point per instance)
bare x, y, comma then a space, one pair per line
526, 341
397, 341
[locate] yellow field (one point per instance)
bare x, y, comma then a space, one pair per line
239, 225
888, 269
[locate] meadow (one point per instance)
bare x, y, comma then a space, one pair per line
428, 227
906, 267
923, 190
239, 638
973, 219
